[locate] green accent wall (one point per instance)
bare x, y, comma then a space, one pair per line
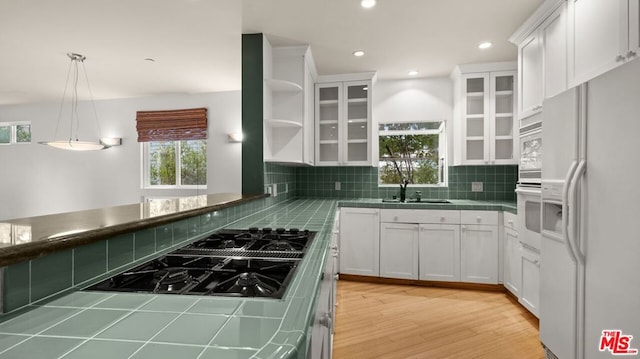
252, 116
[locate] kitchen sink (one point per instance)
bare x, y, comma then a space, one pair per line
413, 200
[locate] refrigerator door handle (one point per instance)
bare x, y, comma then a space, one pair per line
573, 240
565, 210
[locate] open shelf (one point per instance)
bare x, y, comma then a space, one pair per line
328, 142
282, 123
283, 85
328, 122
475, 116
357, 120
506, 114
357, 141
475, 94
504, 93
329, 103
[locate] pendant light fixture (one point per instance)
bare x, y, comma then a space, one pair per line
73, 143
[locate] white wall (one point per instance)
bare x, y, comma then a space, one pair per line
37, 180
415, 100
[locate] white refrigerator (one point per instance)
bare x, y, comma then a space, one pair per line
590, 249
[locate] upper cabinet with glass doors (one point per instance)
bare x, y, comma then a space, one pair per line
485, 122
343, 123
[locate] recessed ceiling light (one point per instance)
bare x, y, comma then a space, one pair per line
367, 4
485, 45
358, 53
413, 72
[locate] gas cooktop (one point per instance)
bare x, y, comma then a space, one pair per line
243, 263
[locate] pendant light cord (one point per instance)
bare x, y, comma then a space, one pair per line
74, 100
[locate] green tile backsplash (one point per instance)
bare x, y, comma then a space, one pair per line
51, 274
499, 183
89, 261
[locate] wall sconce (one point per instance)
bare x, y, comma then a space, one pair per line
111, 141
235, 137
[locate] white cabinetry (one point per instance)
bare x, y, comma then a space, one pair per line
484, 106
344, 128
512, 269
359, 241
440, 252
542, 56
530, 75
554, 52
479, 247
288, 104
321, 344
603, 34
422, 244
399, 250
530, 286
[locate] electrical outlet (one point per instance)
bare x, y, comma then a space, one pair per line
476, 187
338, 186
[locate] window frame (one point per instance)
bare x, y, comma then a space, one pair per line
146, 173
441, 131
13, 132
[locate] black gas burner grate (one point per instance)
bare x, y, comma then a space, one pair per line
244, 263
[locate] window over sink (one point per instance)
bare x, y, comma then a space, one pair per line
412, 151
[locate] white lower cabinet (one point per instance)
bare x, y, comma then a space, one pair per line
512, 275
439, 252
530, 286
321, 343
479, 247
399, 250
360, 241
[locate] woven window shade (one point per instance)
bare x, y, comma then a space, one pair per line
172, 125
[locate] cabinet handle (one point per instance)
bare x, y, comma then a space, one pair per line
336, 277
510, 222
631, 54
395, 218
464, 228
442, 219
536, 262
620, 58
479, 219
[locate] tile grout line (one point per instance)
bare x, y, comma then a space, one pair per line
222, 327
47, 328
130, 312
166, 326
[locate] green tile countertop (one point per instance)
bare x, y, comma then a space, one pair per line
26, 238
125, 325
455, 204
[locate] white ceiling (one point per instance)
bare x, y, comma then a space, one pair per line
196, 43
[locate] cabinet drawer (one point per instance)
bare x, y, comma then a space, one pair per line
420, 216
510, 221
479, 217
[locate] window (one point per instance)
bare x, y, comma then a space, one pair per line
17, 132
412, 151
175, 164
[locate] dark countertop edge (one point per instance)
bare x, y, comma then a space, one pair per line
26, 251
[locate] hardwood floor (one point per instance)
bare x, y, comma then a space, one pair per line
401, 321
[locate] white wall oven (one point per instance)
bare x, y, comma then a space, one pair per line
530, 168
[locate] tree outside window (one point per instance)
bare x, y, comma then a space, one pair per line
413, 152
177, 163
